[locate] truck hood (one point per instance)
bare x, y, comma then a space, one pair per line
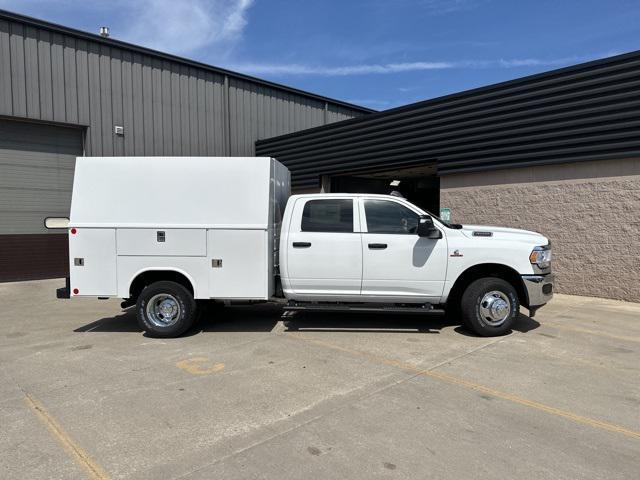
504, 233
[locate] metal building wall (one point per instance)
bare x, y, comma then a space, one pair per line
584, 112
167, 105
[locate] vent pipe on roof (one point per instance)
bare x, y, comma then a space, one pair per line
104, 32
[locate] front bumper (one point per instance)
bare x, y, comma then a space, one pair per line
539, 289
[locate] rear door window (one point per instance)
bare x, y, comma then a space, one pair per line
328, 215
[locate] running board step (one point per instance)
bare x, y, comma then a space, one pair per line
426, 308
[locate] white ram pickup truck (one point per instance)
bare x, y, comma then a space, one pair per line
167, 233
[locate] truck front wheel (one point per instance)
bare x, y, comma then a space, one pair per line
165, 309
489, 306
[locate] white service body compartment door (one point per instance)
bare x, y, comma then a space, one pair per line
92, 262
238, 264
184, 242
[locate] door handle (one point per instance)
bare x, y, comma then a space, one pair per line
377, 246
301, 244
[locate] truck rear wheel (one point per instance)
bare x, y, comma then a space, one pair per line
165, 309
489, 306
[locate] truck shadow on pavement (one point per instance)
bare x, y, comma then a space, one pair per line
523, 324
367, 322
124, 322
389, 323
265, 318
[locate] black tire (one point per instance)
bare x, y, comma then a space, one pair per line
475, 312
179, 297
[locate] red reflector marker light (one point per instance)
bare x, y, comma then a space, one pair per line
76, 291
73, 231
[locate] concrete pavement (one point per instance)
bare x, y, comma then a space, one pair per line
84, 394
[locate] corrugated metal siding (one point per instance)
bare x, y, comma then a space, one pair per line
584, 112
258, 112
166, 106
335, 113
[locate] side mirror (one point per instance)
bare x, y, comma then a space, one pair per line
427, 229
56, 222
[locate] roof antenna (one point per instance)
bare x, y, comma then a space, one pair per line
104, 32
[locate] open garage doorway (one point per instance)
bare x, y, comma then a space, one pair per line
420, 185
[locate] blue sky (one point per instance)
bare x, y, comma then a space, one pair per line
376, 53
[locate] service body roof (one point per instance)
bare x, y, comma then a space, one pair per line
172, 192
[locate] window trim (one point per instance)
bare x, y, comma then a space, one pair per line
302, 202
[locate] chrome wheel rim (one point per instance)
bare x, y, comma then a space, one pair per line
495, 308
163, 310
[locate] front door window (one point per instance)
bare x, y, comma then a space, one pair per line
389, 217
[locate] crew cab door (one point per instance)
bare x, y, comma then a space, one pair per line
397, 263
324, 249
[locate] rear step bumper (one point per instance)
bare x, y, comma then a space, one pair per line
425, 308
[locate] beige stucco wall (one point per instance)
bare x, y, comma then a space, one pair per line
590, 210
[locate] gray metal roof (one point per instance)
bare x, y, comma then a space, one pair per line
7, 15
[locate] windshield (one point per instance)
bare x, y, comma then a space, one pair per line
454, 226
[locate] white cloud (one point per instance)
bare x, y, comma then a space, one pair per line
286, 69
362, 69
370, 102
537, 62
439, 7
432, 7
177, 26
186, 25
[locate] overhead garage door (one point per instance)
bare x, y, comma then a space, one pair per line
36, 176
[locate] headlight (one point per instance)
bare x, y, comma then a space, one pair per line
541, 256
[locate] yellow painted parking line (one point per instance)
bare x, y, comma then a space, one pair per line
598, 333
603, 425
82, 458
199, 366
